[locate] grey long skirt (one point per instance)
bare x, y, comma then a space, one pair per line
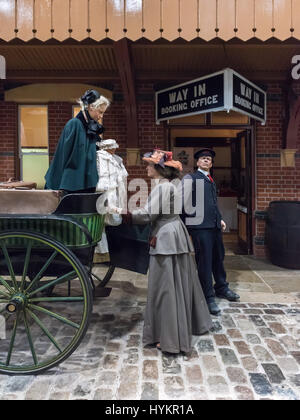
176, 308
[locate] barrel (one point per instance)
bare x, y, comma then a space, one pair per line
283, 233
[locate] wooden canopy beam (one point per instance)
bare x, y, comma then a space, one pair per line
127, 77
48, 76
105, 76
292, 124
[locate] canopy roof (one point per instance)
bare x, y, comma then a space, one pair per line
170, 19
90, 61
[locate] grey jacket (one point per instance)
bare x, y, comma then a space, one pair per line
166, 225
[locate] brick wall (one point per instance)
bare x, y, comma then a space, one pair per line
150, 134
59, 113
8, 139
115, 125
272, 181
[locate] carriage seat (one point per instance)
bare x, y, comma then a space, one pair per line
28, 201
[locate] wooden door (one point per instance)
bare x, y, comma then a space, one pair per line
244, 203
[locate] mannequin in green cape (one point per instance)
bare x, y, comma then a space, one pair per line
74, 168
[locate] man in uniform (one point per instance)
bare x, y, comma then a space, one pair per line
207, 235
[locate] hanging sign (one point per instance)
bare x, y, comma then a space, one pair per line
195, 97
248, 98
221, 91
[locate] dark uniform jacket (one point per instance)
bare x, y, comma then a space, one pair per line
212, 216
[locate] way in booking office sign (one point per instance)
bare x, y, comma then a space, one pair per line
195, 97
248, 98
224, 90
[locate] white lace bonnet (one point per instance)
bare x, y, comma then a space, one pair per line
108, 144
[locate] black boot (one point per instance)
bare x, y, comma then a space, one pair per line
213, 308
229, 295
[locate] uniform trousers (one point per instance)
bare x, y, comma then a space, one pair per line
209, 255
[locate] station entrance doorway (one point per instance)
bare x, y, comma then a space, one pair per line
230, 135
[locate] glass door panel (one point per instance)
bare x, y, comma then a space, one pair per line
244, 205
34, 153
76, 110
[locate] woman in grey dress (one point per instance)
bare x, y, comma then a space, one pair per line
176, 308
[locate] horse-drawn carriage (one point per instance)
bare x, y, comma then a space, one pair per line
46, 280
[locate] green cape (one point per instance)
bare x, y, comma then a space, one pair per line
74, 164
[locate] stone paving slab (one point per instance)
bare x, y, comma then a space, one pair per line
253, 353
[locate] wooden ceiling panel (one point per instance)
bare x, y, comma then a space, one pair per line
158, 61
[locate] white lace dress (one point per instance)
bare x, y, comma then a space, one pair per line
113, 183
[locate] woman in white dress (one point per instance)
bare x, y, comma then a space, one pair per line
176, 308
112, 183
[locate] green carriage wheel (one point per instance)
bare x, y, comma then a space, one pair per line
40, 329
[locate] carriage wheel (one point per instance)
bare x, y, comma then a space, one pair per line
39, 328
108, 271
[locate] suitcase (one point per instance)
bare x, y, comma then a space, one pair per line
19, 185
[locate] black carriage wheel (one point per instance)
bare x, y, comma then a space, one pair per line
40, 329
103, 281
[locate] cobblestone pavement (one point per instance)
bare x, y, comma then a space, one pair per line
253, 353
